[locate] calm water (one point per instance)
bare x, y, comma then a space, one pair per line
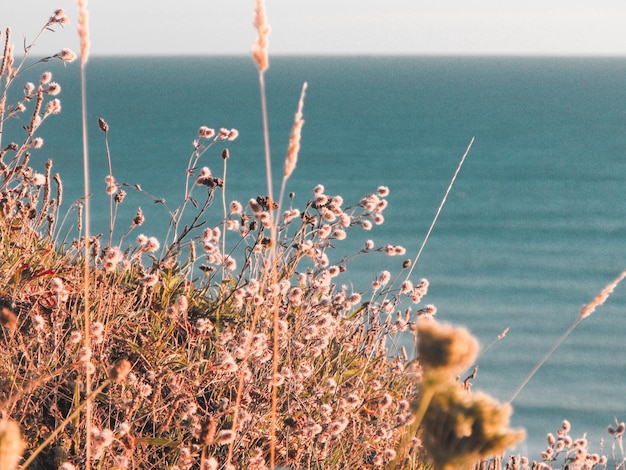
534, 228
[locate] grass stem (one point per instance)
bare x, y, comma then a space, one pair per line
443, 201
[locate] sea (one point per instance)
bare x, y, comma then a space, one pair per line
532, 230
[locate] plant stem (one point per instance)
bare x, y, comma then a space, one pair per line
443, 201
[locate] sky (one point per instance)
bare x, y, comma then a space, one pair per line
431, 27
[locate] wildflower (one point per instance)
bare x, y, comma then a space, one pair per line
339, 234
235, 207
290, 215
111, 188
232, 135
345, 220
39, 179
295, 296
328, 215
150, 244
352, 400
330, 385
385, 401
101, 439
324, 231
312, 428
53, 107
211, 464
112, 257
338, 426
228, 364
145, 390
205, 132
45, 78
53, 89
618, 431
223, 134
75, 337
97, 332
29, 88
36, 143
232, 225
204, 176
38, 322
66, 55
427, 311
406, 286
321, 200
334, 271
59, 17
383, 191
253, 285
139, 218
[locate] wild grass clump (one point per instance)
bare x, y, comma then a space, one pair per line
194, 321
231, 345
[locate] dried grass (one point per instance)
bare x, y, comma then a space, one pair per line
262, 361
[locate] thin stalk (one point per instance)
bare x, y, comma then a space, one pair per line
110, 183
225, 217
266, 135
86, 274
586, 311
83, 34
272, 252
545, 357
275, 358
443, 201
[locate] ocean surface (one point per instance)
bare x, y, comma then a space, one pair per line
533, 229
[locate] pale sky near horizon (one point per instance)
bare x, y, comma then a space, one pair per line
207, 27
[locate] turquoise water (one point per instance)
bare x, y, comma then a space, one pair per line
534, 228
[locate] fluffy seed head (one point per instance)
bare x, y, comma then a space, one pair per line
445, 348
